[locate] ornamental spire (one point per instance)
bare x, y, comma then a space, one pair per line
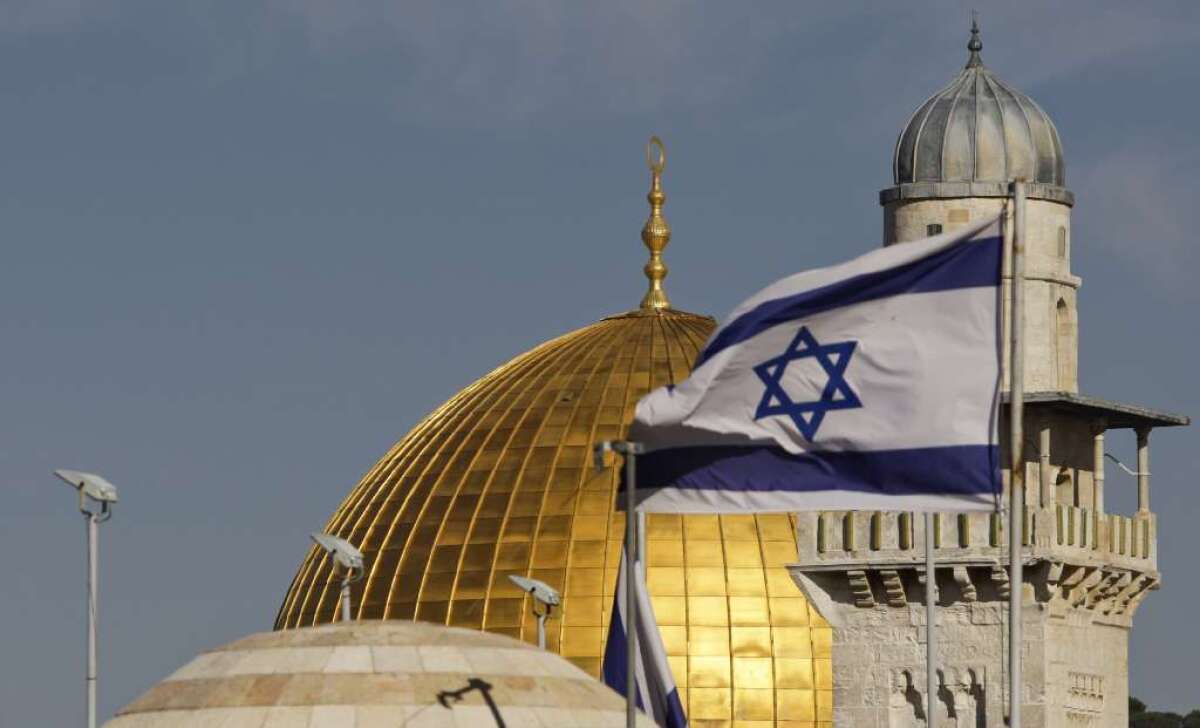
656, 233
975, 44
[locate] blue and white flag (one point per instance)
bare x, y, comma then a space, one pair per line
657, 695
868, 385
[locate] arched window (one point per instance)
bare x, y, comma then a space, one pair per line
1065, 345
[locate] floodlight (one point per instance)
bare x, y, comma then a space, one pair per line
540, 590
90, 485
341, 550
348, 557
543, 594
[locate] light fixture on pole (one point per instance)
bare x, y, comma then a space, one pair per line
92, 489
346, 556
543, 594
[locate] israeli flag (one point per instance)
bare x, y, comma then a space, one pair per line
657, 695
868, 385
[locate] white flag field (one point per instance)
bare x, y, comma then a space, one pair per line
873, 384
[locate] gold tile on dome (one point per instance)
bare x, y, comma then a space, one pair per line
432, 611
585, 582
792, 641
708, 611
445, 559
822, 637
793, 672
582, 611
708, 640
581, 641
485, 531
753, 672
437, 586
675, 638
670, 610
664, 526
775, 527
701, 527
825, 705
587, 553
512, 556
594, 504
739, 527
779, 553
466, 613
665, 581
709, 703
472, 584
590, 528
750, 641
664, 553
789, 611
550, 554
745, 582
748, 611
743, 554
706, 581
478, 556
504, 613
679, 670
704, 553
781, 584
708, 671
823, 667
795, 704
753, 704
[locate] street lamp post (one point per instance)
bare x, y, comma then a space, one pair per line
92, 489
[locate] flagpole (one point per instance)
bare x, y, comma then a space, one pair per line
631, 556
1016, 414
930, 622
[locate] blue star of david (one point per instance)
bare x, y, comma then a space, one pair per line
837, 394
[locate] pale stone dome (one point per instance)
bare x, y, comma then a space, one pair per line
370, 674
974, 136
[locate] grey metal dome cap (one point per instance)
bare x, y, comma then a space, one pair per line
973, 137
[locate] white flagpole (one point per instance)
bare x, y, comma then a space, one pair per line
930, 623
1016, 414
631, 570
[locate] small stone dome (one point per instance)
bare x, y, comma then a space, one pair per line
370, 674
974, 136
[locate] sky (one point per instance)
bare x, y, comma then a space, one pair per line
246, 246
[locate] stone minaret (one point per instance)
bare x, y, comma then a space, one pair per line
1086, 569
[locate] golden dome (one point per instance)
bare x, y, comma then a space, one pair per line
499, 481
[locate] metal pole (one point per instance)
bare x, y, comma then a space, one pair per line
1016, 414
346, 597
93, 556
930, 623
631, 617
541, 618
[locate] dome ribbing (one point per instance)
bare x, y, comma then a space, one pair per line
974, 136
499, 481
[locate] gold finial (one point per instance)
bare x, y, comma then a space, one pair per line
656, 233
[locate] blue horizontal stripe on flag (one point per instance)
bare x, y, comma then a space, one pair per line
970, 264
956, 470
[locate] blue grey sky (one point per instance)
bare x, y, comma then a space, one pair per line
247, 245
